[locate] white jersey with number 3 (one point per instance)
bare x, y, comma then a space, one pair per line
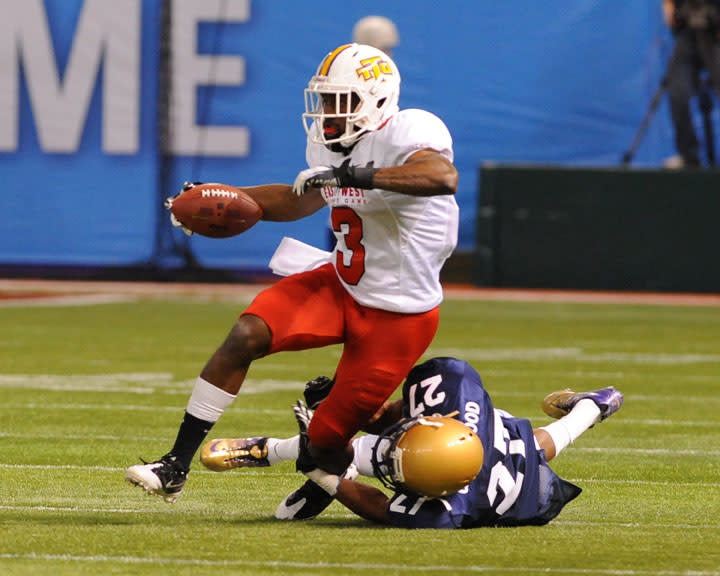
391, 246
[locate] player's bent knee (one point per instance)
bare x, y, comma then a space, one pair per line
248, 339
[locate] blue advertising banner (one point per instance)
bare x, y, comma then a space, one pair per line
84, 171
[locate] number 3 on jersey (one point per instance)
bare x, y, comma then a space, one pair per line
350, 258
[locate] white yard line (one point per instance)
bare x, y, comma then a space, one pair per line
245, 292
342, 567
84, 300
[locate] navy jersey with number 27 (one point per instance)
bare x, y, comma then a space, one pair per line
515, 485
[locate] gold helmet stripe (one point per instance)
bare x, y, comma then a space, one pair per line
330, 58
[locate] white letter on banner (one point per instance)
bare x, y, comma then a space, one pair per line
190, 70
109, 29
9, 110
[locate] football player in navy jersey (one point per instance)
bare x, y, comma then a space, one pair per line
451, 459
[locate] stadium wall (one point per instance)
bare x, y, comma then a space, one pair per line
607, 229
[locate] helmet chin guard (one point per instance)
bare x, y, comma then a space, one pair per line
356, 87
430, 455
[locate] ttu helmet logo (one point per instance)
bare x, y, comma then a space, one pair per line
372, 68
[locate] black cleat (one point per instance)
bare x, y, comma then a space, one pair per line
304, 504
165, 477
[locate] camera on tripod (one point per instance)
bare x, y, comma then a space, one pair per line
698, 21
698, 16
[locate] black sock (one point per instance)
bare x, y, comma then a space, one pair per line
190, 436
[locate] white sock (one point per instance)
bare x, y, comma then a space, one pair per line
280, 450
283, 449
569, 428
363, 448
207, 401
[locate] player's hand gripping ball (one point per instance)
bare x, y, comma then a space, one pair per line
213, 210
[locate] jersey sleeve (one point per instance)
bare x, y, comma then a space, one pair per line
415, 511
412, 130
404, 134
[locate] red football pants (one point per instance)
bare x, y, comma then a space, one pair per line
312, 309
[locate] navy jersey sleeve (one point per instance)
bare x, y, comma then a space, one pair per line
415, 511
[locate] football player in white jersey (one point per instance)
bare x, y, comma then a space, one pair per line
389, 180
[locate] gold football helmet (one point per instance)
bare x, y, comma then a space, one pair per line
430, 455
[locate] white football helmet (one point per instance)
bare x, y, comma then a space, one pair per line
430, 455
355, 89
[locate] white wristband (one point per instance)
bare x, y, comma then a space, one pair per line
328, 482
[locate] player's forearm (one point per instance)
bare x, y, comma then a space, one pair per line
366, 501
426, 173
280, 204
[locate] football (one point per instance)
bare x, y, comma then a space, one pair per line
216, 210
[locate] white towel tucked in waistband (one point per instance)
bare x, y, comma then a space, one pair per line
293, 256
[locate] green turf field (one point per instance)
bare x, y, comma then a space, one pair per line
87, 390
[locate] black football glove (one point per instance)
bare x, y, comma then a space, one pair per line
343, 176
317, 390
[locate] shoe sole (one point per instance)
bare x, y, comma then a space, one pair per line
560, 403
555, 404
140, 482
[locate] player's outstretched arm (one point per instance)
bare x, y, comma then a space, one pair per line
364, 500
280, 204
425, 173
